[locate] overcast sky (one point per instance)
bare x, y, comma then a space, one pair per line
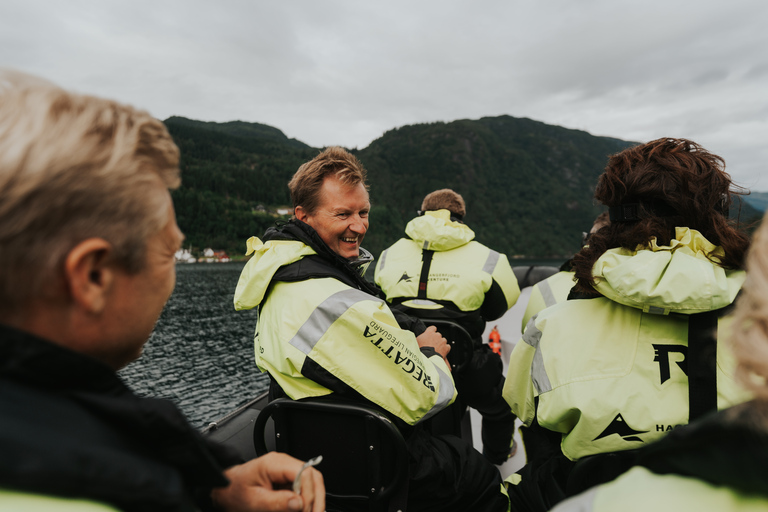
335, 72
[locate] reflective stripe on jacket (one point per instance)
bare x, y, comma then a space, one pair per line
462, 271
547, 293
351, 335
609, 375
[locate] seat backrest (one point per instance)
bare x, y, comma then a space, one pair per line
365, 459
529, 276
458, 338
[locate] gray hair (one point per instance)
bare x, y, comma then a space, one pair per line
74, 167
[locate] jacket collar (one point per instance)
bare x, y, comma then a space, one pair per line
31, 360
302, 232
56, 371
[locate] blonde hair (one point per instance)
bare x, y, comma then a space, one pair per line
334, 161
444, 199
750, 331
74, 167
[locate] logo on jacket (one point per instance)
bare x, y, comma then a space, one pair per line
662, 357
405, 277
619, 426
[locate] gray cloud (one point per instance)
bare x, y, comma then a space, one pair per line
333, 72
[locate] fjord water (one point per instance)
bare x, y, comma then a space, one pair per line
200, 355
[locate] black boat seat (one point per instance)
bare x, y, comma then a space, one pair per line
529, 276
454, 419
458, 338
365, 459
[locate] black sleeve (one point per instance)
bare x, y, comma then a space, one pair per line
341, 389
408, 322
494, 304
428, 351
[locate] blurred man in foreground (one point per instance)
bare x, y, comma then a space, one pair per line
87, 242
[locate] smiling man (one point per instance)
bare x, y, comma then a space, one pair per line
341, 219
324, 330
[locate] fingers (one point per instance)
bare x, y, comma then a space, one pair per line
313, 491
254, 486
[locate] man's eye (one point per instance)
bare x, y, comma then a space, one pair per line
364, 214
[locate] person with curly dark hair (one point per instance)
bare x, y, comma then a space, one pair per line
721, 461
638, 349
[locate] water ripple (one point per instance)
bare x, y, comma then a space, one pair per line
201, 353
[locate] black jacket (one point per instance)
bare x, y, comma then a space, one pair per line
69, 427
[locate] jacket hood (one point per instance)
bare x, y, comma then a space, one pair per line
682, 277
266, 260
437, 232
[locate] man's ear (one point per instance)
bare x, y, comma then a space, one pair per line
88, 274
300, 213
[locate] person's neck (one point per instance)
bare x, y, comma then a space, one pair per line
61, 324
42, 318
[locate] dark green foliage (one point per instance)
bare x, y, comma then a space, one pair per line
230, 172
528, 186
238, 129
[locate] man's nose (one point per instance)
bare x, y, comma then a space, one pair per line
358, 225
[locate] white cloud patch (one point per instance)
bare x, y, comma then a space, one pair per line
333, 72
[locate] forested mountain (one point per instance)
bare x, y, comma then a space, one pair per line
528, 185
231, 174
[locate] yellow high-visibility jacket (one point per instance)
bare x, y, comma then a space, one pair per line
19, 501
719, 462
317, 335
464, 275
547, 293
641, 490
609, 373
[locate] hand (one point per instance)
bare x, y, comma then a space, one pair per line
432, 338
263, 485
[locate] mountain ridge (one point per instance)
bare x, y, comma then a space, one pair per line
528, 185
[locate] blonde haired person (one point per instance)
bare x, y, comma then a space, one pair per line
721, 461
87, 242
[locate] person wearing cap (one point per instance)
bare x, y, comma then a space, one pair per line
323, 330
87, 242
638, 349
439, 271
719, 462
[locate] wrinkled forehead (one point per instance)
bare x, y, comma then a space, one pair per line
334, 193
